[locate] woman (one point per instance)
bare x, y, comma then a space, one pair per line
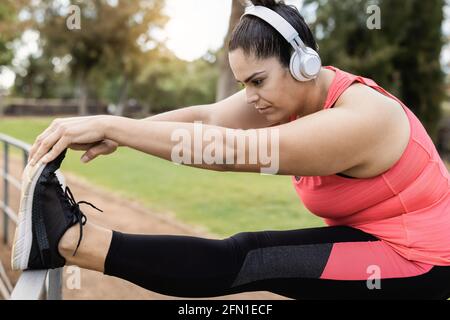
359, 157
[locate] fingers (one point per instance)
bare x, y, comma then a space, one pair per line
112, 146
82, 133
40, 138
81, 147
105, 147
55, 125
56, 150
53, 140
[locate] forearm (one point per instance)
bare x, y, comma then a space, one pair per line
155, 138
173, 141
187, 114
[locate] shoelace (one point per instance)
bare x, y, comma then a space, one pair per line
79, 217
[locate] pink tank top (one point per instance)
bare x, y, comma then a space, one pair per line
408, 206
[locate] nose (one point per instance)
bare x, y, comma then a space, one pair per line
252, 97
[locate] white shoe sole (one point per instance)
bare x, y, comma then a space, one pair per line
23, 236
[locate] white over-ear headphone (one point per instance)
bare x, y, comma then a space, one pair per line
305, 62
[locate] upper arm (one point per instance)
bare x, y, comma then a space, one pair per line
331, 141
234, 112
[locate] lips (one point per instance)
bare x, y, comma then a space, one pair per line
263, 109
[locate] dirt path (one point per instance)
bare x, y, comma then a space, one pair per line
123, 215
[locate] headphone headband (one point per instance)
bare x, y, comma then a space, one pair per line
305, 62
278, 22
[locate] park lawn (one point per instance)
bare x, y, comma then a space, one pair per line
223, 202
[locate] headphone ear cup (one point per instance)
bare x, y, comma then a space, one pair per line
305, 67
295, 67
311, 63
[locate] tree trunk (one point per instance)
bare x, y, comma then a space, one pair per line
146, 109
82, 94
123, 96
226, 85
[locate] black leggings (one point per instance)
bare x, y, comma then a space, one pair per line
315, 263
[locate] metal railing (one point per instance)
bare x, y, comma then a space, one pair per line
32, 285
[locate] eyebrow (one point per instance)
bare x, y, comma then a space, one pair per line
251, 77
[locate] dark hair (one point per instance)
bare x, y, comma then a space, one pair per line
255, 36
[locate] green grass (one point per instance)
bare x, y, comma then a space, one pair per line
224, 203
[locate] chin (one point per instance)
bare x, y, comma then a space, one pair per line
275, 118
276, 115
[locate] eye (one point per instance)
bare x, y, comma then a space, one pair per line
258, 82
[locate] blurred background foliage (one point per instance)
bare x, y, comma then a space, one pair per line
118, 59
403, 56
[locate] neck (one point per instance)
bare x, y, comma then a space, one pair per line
317, 92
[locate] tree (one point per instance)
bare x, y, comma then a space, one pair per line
41, 80
419, 59
172, 83
9, 28
227, 83
403, 56
112, 37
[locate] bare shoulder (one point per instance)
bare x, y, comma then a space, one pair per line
391, 131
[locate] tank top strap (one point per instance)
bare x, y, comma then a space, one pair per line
341, 82
349, 79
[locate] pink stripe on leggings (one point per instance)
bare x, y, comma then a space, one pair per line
358, 260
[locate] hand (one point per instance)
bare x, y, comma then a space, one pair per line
79, 133
93, 150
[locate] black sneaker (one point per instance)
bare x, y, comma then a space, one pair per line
47, 210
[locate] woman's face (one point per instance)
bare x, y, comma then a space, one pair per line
270, 88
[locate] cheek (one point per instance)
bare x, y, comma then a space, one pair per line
271, 95
279, 100
276, 91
